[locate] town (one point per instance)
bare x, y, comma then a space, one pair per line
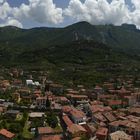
32, 107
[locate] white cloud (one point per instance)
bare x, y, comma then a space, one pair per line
5, 10
1, 1
42, 11
11, 22
102, 12
45, 12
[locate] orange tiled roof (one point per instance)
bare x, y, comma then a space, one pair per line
66, 109
109, 116
52, 137
102, 131
77, 113
67, 121
114, 102
6, 133
76, 128
99, 108
45, 130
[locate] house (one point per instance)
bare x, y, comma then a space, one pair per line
45, 131
51, 137
137, 131
17, 83
120, 135
102, 133
2, 109
115, 103
41, 102
76, 130
98, 89
77, 116
62, 100
104, 97
29, 82
56, 88
12, 113
109, 116
136, 96
125, 125
123, 92
99, 108
23, 92
108, 85
71, 91
134, 111
6, 135
56, 106
27, 98
67, 121
131, 100
74, 97
5, 83
66, 109
36, 115
98, 117
114, 126
96, 102
15, 72
16, 97
91, 130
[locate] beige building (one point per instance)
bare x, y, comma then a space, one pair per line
120, 135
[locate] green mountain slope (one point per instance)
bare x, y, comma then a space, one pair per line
125, 36
80, 53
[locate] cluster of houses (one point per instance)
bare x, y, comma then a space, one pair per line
109, 111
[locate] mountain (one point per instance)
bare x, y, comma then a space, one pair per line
124, 37
80, 52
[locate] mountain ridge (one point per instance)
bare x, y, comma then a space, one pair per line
115, 36
82, 53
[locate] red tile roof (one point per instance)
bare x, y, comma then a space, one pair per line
102, 131
66, 109
114, 102
6, 133
77, 113
76, 128
109, 116
77, 96
45, 130
100, 117
67, 120
52, 137
99, 108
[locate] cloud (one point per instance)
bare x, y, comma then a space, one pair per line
104, 12
11, 22
5, 10
1, 1
40, 11
45, 12
98, 12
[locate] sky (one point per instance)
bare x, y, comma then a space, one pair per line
60, 13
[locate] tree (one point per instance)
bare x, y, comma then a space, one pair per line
47, 103
15, 127
84, 138
52, 120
